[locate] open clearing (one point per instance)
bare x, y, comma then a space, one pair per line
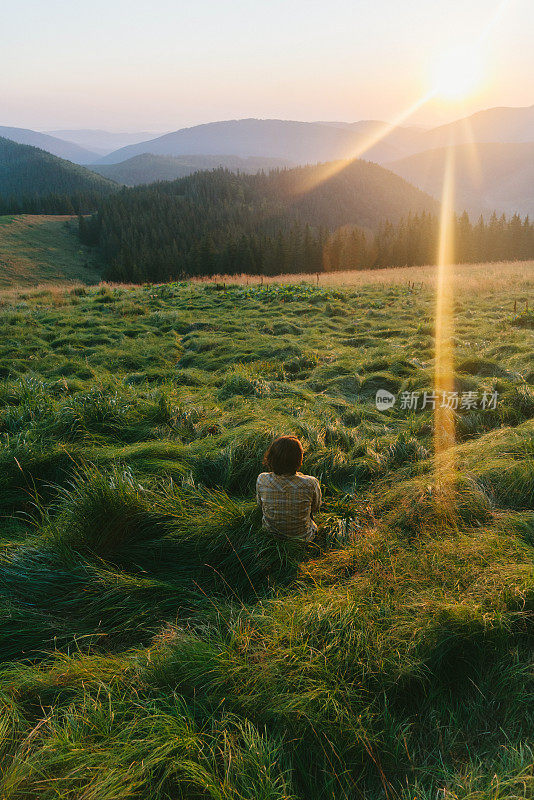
40, 249
157, 644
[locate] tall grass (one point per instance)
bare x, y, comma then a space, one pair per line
157, 643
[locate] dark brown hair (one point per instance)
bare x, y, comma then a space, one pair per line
284, 456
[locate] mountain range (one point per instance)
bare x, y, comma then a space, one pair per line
330, 194
298, 142
311, 142
487, 177
494, 160
492, 125
501, 180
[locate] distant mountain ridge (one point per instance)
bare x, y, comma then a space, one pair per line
502, 125
103, 142
298, 142
148, 168
486, 177
312, 142
58, 147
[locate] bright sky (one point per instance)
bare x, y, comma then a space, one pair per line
165, 64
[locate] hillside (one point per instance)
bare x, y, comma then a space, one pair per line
298, 142
157, 643
487, 177
147, 168
349, 193
52, 144
44, 249
223, 222
30, 173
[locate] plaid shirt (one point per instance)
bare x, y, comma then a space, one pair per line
287, 503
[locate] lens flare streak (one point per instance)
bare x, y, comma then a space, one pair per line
444, 431
330, 169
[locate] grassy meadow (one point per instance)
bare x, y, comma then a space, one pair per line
155, 643
44, 249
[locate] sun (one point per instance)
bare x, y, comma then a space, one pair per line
457, 73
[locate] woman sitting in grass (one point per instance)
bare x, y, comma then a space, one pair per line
287, 497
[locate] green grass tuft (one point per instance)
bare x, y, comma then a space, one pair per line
156, 642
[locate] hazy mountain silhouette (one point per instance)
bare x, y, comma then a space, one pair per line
298, 142
147, 168
103, 142
488, 176
312, 142
492, 125
58, 147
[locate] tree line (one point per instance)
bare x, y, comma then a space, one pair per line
74, 203
222, 223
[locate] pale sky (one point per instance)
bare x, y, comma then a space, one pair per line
161, 65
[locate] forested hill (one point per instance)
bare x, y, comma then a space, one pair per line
35, 181
347, 193
309, 219
219, 221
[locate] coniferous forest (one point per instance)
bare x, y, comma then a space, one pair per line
53, 203
289, 221
33, 181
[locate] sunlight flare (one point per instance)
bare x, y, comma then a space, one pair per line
458, 72
331, 169
444, 430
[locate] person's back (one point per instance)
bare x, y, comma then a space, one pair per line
286, 496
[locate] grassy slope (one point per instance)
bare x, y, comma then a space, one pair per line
39, 249
157, 644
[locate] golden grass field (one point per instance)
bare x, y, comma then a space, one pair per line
467, 276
